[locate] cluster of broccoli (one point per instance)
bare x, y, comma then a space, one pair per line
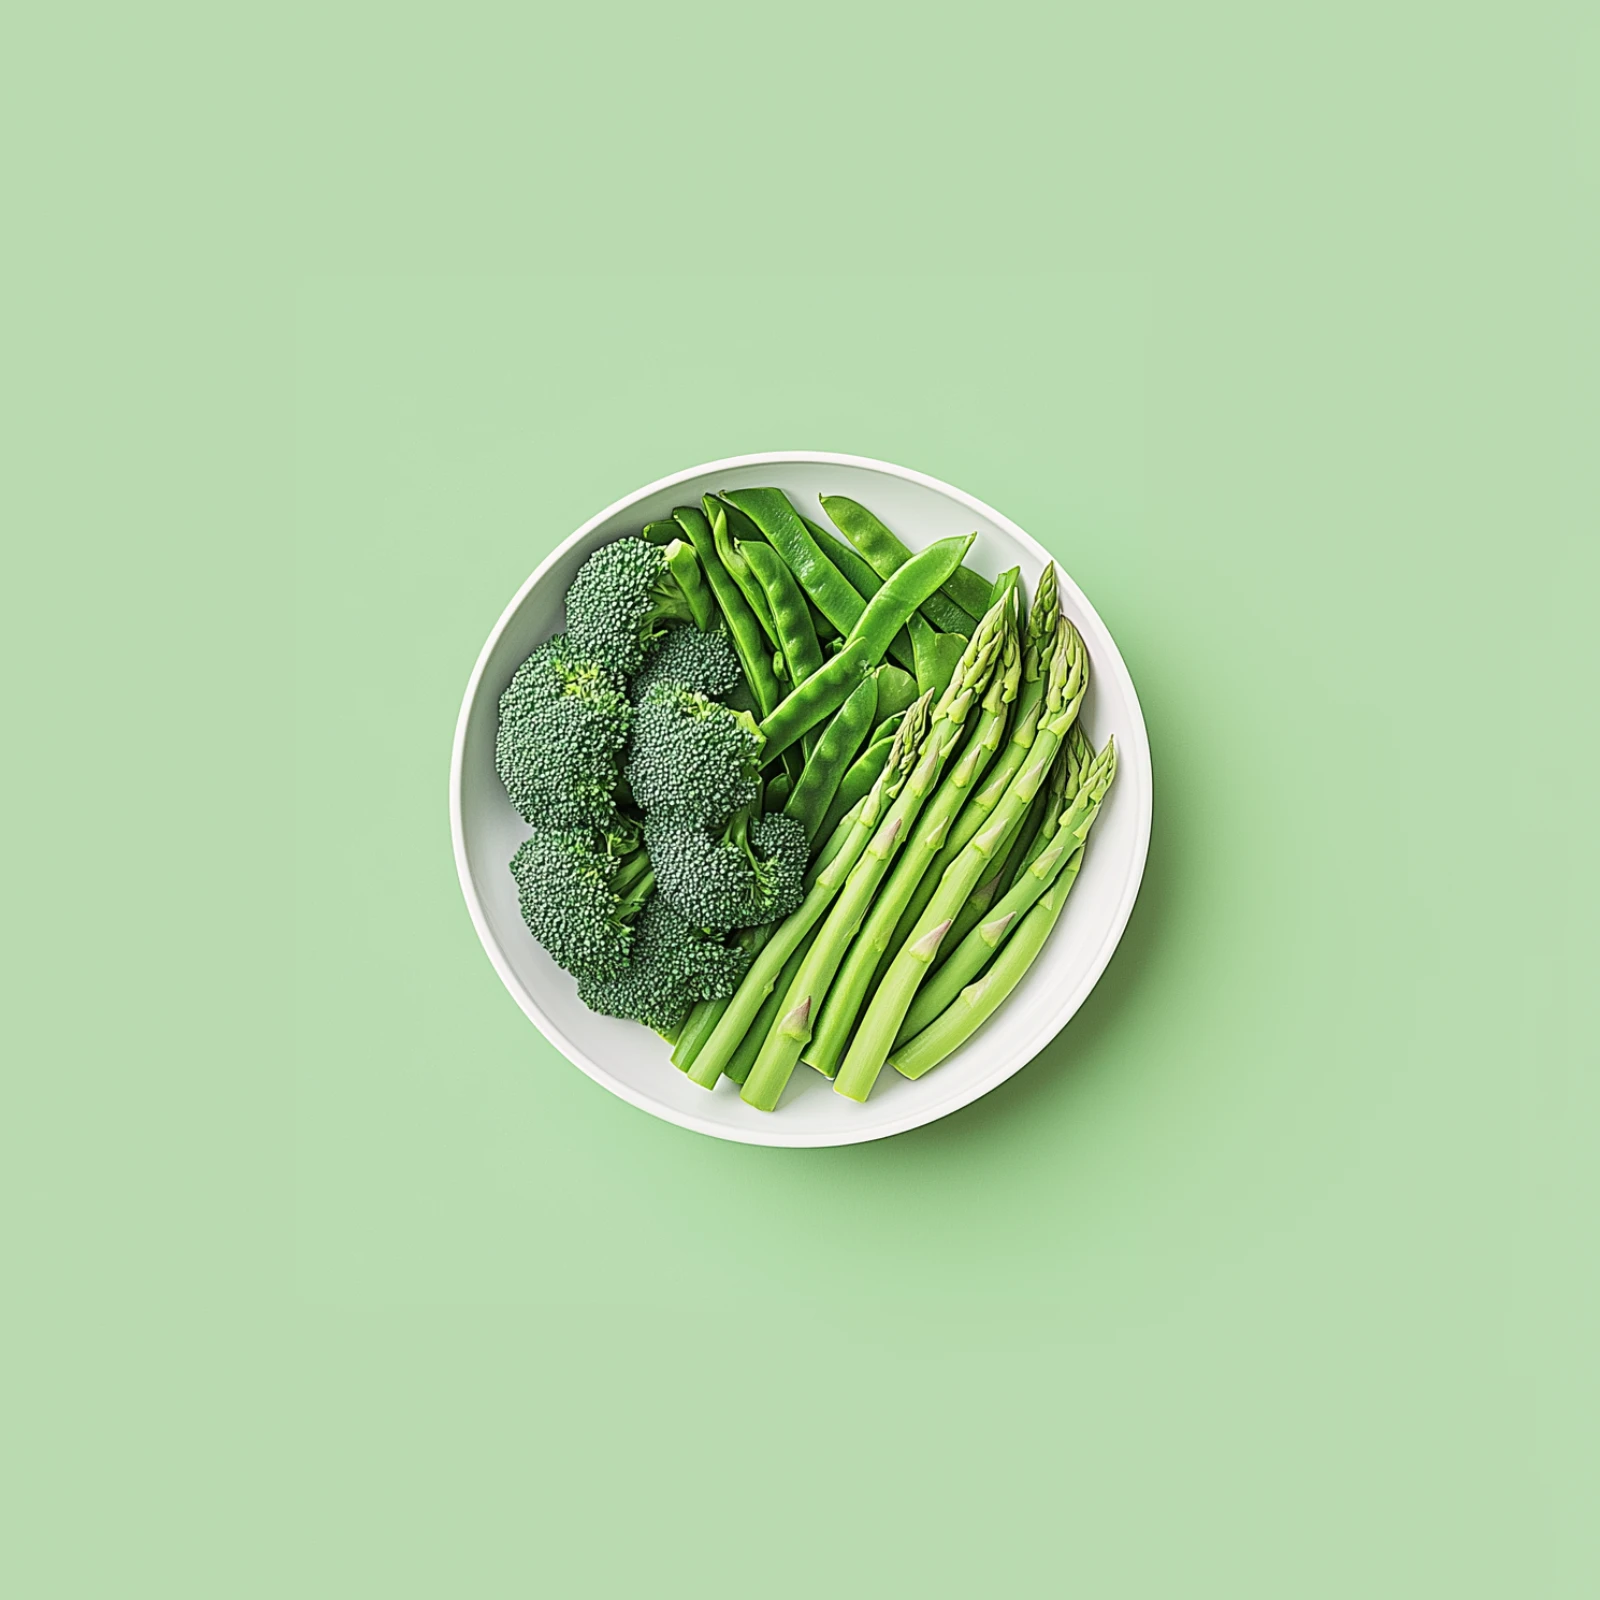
644, 790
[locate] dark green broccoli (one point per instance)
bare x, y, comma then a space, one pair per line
694, 761
579, 900
621, 599
704, 662
564, 719
671, 966
750, 872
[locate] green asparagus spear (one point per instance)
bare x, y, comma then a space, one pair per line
1065, 685
806, 992
1062, 851
746, 1002
848, 991
1043, 623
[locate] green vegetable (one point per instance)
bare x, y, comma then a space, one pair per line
1044, 811
670, 966
861, 774
708, 1013
896, 690
841, 739
961, 598
694, 761
704, 662
885, 614
1060, 853
738, 568
743, 629
1066, 682
579, 899
564, 719
831, 1027
622, 598
803, 1002
866, 583
747, 873
779, 523
1008, 581
786, 936
791, 617
777, 795
1043, 620
936, 654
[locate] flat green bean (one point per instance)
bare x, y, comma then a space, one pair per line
964, 589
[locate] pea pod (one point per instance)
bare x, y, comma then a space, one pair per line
938, 655
896, 690
684, 565
885, 615
739, 570
1008, 582
743, 628
865, 582
809, 801
661, 532
963, 589
770, 510
786, 605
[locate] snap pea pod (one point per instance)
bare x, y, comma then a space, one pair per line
739, 525
770, 510
684, 565
740, 571
866, 583
660, 532
797, 638
743, 628
778, 790
809, 800
964, 591
936, 654
886, 613
896, 690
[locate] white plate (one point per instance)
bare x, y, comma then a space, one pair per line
632, 1062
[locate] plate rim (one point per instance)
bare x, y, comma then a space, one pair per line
777, 1136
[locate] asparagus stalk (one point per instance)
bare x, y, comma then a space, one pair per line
831, 1028
1044, 621
1065, 685
763, 971
1037, 828
806, 992
979, 1001
1062, 853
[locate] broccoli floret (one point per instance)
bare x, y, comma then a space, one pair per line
564, 719
750, 872
621, 599
694, 761
579, 899
671, 966
704, 662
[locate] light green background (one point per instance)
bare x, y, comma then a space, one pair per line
1275, 1276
